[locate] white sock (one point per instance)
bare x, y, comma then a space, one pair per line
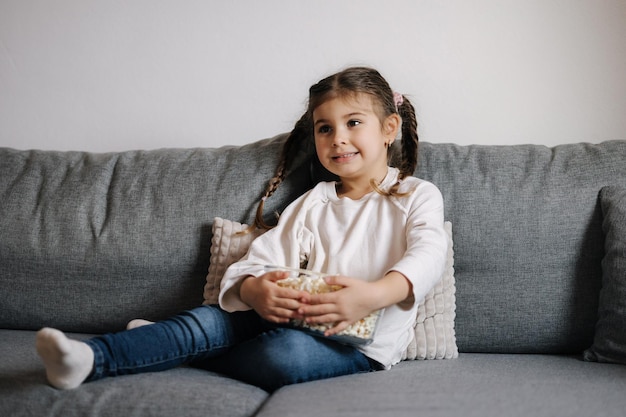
68, 362
133, 324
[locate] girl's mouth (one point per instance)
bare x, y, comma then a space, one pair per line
344, 156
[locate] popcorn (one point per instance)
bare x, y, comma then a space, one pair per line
360, 332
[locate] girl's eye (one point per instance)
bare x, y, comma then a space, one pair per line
353, 123
323, 129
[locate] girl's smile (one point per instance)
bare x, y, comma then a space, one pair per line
344, 158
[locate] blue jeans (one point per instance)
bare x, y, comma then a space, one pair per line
240, 345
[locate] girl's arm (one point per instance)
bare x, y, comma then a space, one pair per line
278, 246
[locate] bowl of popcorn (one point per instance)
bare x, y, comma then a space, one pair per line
359, 333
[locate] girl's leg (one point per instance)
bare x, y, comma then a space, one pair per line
203, 332
283, 356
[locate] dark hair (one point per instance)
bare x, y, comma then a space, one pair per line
349, 82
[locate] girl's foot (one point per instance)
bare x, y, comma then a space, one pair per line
133, 324
68, 362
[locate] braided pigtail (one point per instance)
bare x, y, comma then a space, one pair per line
300, 131
410, 139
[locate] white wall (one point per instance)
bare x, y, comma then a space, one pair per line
123, 74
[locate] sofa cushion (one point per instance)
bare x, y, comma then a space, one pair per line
90, 241
434, 323
610, 339
528, 240
475, 385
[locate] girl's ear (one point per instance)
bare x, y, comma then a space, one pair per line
391, 126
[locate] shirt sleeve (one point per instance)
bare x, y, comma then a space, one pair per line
284, 245
423, 262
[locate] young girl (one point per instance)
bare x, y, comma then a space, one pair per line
377, 229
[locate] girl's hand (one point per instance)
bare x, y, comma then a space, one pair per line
343, 307
273, 303
355, 300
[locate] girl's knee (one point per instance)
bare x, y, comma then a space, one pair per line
291, 356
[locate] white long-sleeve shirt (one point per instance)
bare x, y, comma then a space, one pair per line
366, 239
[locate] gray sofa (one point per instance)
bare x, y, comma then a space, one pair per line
90, 241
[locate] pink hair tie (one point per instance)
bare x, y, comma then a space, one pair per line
397, 99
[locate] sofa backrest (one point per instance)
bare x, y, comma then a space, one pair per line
89, 241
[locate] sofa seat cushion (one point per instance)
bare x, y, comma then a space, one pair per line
178, 392
474, 385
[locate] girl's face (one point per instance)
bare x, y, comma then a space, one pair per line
351, 141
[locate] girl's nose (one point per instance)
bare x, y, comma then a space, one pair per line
338, 139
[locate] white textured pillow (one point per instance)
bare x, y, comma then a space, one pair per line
434, 324
227, 247
434, 327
